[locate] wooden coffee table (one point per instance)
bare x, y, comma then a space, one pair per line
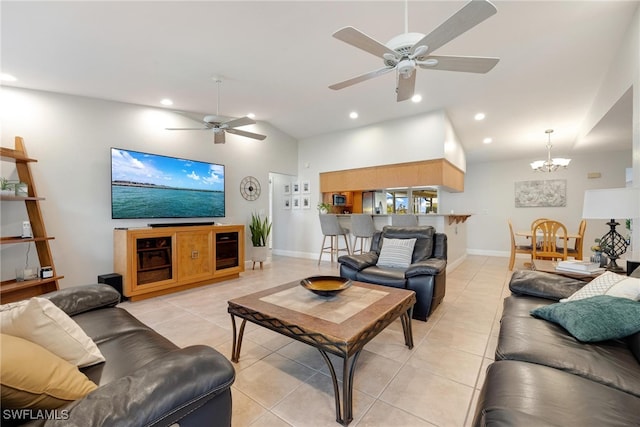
340, 325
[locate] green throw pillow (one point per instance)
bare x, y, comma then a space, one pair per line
594, 319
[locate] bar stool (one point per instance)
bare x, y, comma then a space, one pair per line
362, 228
332, 228
404, 220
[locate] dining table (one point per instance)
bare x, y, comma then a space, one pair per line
529, 233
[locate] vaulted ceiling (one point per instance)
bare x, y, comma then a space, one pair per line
277, 59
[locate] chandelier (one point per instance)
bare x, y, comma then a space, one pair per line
549, 165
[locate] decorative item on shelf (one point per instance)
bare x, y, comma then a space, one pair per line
612, 203
27, 232
22, 189
549, 165
26, 273
6, 188
324, 208
46, 272
260, 231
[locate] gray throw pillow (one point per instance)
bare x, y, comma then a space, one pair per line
396, 253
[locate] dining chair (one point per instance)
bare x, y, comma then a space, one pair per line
545, 236
576, 251
517, 249
535, 221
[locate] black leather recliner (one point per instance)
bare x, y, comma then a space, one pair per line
146, 380
426, 275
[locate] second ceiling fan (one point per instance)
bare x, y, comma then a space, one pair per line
219, 127
407, 51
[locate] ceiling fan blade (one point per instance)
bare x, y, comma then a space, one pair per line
467, 64
406, 87
463, 20
361, 78
218, 138
362, 41
188, 128
242, 121
247, 134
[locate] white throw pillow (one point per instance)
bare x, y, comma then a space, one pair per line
40, 321
396, 253
608, 283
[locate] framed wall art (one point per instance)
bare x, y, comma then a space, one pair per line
542, 193
286, 204
306, 187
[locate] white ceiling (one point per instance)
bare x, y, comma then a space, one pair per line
277, 60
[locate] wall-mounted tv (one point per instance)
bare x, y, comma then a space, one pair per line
147, 185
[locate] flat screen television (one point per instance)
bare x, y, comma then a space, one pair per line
145, 185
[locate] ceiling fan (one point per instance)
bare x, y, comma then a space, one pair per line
407, 51
220, 127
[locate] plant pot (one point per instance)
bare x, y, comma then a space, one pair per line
259, 253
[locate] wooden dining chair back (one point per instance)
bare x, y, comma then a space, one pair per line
537, 220
576, 251
545, 236
516, 249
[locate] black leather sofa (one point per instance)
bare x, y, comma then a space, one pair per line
426, 275
146, 380
543, 376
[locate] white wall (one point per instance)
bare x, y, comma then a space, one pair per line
71, 137
489, 196
623, 73
420, 137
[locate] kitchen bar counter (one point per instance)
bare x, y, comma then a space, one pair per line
435, 220
453, 225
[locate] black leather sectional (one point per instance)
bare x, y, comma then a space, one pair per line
146, 380
426, 275
543, 376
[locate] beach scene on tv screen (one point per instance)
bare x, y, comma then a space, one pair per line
146, 185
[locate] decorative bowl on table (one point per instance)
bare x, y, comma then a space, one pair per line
326, 286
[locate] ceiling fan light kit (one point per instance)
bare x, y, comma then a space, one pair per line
220, 127
404, 52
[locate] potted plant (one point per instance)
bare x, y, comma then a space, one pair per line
6, 188
324, 208
260, 230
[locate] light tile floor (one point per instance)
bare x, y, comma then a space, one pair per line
280, 382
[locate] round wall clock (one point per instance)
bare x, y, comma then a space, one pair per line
250, 188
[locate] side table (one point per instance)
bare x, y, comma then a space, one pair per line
631, 266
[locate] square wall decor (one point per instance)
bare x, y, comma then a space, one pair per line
543, 193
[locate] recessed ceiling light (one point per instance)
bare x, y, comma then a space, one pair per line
7, 78
416, 98
251, 116
353, 115
487, 140
166, 101
479, 116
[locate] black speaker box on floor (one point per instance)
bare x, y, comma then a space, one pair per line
114, 280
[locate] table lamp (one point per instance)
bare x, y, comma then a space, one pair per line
612, 203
